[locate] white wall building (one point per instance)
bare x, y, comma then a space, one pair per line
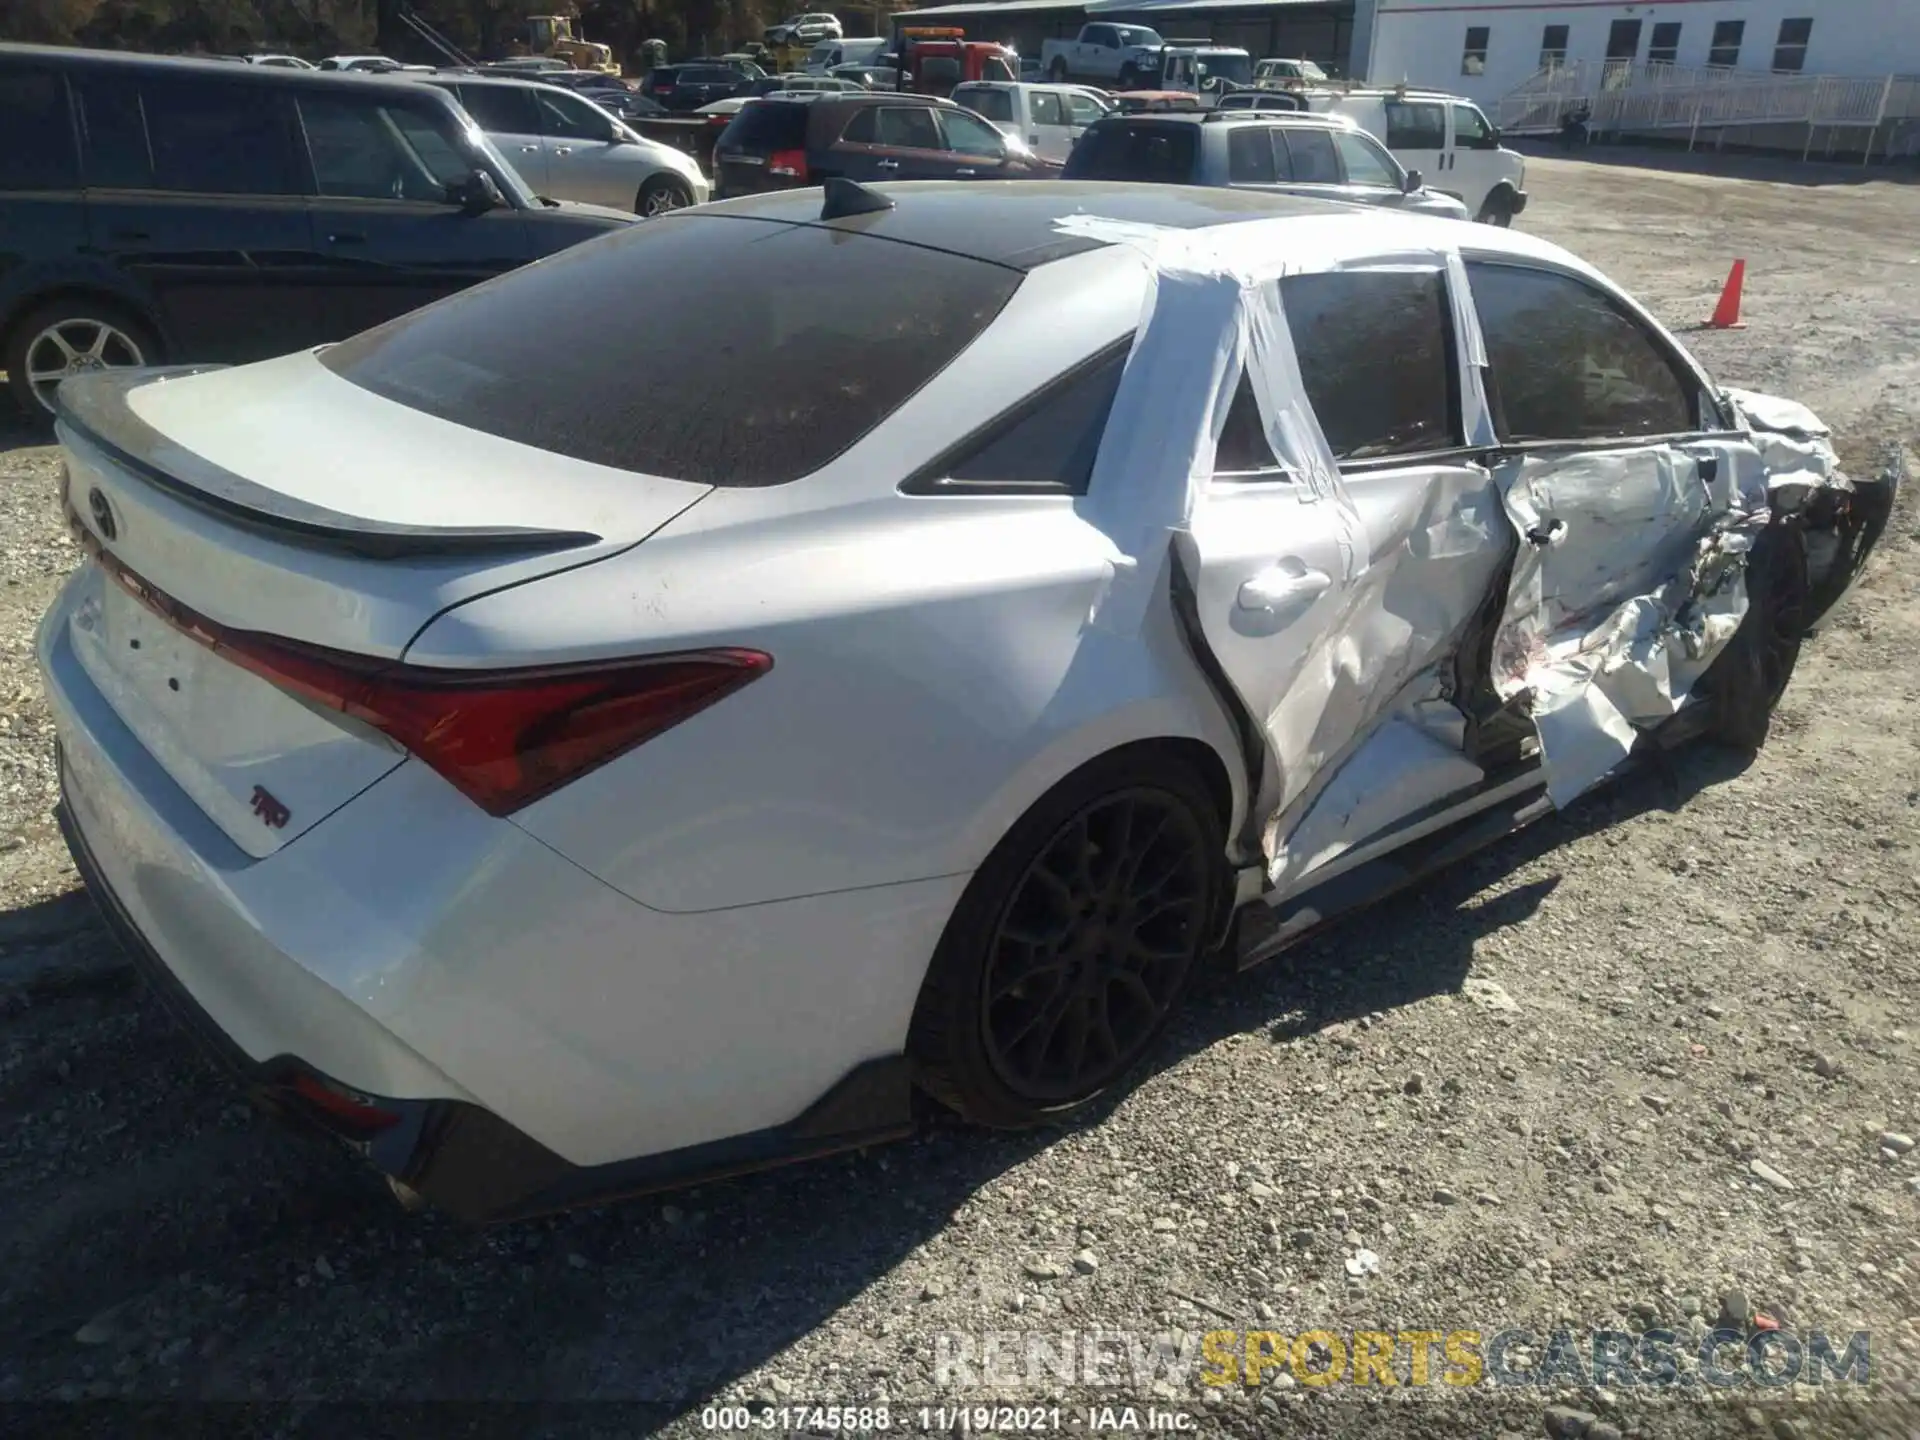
1485, 50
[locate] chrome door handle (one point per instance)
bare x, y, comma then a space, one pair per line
1278, 587
529, 149
563, 149
965, 171
886, 165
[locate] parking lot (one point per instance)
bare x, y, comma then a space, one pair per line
1676, 978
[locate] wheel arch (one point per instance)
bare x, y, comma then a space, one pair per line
20, 306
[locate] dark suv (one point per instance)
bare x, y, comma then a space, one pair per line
159, 209
804, 139
688, 87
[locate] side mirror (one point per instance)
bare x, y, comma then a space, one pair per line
1493, 138
1410, 182
477, 194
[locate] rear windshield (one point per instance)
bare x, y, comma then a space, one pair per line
1156, 153
709, 363
988, 104
766, 125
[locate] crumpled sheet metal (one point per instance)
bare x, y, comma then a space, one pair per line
1795, 446
1213, 308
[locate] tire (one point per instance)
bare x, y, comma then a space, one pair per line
1115, 939
1129, 77
1497, 210
661, 195
120, 339
1057, 71
1747, 679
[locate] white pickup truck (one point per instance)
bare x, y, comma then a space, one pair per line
1112, 54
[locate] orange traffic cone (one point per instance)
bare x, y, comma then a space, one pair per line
1726, 315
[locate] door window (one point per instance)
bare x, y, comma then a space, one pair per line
1250, 156
219, 139
910, 127
1047, 109
994, 104
1150, 152
360, 151
1471, 129
1366, 162
1083, 108
116, 135
564, 118
38, 152
1311, 158
501, 109
971, 135
1569, 363
1416, 125
1376, 353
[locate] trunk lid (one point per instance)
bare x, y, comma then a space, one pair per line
283, 499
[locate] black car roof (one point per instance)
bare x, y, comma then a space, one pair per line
72, 57
1016, 222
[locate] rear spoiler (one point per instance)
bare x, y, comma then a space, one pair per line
93, 410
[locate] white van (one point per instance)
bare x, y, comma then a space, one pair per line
1448, 139
829, 53
1049, 118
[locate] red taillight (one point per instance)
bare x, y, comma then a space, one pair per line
346, 1110
663, 89
791, 164
503, 738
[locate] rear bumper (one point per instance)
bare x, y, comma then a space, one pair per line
542, 1038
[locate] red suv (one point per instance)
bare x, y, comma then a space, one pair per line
805, 139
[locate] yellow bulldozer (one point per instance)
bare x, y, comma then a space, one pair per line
552, 35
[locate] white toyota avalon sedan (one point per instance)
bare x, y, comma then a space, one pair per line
919, 629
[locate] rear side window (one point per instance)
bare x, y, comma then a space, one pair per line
501, 109
1311, 159
1376, 353
1414, 125
1050, 442
220, 139
992, 104
37, 153
116, 134
910, 127
1568, 363
1244, 450
766, 125
1158, 154
1047, 109
1250, 156
783, 379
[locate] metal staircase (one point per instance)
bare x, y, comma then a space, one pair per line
1641, 97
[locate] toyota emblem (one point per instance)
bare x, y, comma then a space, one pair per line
103, 520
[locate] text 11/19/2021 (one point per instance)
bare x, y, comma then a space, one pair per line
923, 1419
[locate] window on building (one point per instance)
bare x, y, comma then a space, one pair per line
1553, 47
1473, 59
1790, 50
1665, 46
1725, 50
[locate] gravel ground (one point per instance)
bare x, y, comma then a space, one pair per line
1631, 1069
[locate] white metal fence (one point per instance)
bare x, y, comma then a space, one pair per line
1642, 96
